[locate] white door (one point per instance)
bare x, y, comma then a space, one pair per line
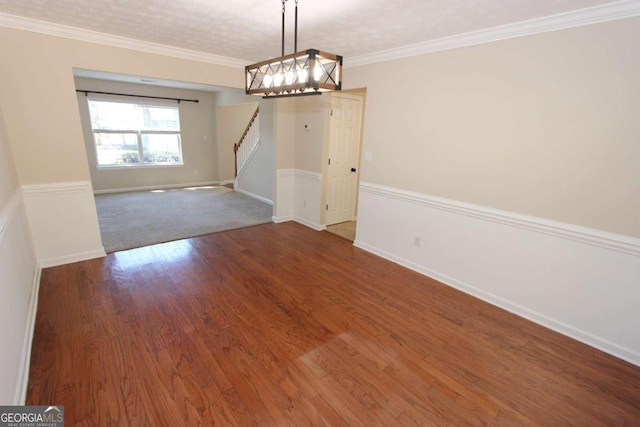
344, 153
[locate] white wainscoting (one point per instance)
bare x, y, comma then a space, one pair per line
283, 203
581, 282
298, 197
19, 280
63, 222
307, 198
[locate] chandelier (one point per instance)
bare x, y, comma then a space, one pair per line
308, 72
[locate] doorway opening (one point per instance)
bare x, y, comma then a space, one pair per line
159, 164
343, 163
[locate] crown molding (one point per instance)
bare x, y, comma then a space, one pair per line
592, 15
49, 28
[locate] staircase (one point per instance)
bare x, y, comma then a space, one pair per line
248, 143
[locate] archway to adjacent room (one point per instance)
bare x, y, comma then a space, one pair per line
162, 176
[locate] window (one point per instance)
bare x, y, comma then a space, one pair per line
127, 134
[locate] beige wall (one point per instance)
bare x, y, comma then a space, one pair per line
312, 111
40, 105
284, 130
198, 139
8, 180
545, 125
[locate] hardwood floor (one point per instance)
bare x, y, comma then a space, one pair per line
344, 229
278, 324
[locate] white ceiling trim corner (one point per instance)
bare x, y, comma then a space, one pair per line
592, 15
43, 27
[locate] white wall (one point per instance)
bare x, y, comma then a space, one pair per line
19, 277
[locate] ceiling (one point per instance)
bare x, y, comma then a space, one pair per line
249, 30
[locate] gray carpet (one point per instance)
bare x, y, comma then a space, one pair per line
131, 220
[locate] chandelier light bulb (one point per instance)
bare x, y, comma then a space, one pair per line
303, 75
317, 72
290, 77
278, 79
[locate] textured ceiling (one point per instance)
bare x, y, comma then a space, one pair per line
250, 29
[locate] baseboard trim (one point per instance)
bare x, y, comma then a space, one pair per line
281, 219
254, 196
25, 364
564, 329
603, 239
157, 187
68, 259
313, 225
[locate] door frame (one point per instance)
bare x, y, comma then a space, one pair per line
359, 95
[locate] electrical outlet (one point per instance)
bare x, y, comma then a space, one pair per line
304, 203
416, 241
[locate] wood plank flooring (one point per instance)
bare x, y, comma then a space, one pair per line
278, 324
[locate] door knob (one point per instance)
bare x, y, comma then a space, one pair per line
353, 169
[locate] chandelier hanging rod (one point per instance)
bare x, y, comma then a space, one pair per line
295, 35
283, 3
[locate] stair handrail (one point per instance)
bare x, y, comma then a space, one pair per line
237, 145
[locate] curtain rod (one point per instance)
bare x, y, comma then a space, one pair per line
87, 92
